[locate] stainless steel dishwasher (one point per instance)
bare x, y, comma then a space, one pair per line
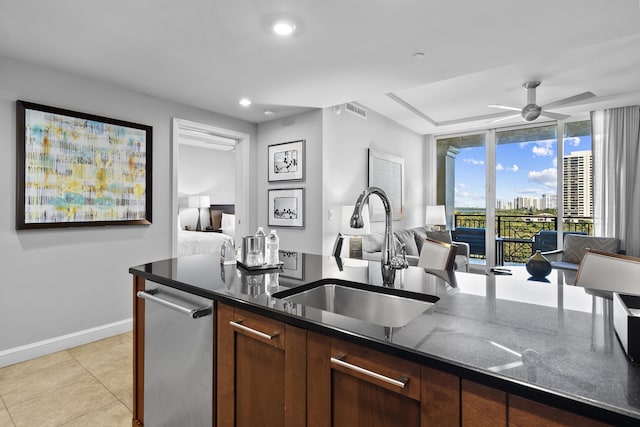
178, 358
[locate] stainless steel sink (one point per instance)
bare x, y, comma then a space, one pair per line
374, 304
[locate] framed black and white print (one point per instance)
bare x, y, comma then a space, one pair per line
292, 264
286, 161
286, 207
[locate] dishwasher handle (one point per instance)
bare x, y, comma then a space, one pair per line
191, 312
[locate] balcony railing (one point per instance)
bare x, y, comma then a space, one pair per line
515, 233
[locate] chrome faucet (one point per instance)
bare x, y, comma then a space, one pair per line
389, 262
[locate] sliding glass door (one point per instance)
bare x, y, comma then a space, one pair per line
526, 190
523, 186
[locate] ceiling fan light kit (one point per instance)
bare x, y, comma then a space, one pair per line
532, 111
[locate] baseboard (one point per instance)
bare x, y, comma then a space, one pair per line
63, 342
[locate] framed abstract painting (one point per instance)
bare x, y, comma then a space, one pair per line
286, 161
76, 169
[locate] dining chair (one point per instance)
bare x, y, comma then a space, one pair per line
603, 271
437, 255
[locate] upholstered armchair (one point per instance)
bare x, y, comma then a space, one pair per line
574, 248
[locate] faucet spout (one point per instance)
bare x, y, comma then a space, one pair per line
389, 261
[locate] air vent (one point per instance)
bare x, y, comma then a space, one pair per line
355, 109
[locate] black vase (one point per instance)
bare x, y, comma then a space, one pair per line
538, 266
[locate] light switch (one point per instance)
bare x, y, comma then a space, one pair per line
330, 213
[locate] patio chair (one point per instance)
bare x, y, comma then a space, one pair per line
574, 248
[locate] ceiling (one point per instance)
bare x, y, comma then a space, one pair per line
210, 53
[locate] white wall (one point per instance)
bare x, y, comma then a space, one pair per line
346, 138
307, 126
60, 281
207, 172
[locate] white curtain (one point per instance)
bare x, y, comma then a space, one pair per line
616, 175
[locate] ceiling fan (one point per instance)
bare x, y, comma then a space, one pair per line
532, 111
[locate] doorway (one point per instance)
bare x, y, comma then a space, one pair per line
188, 137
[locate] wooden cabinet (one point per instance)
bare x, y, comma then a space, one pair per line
269, 373
440, 398
524, 412
350, 385
261, 370
482, 405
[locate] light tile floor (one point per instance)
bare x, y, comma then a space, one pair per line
90, 385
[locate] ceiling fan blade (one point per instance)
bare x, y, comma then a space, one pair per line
505, 118
575, 98
555, 116
504, 107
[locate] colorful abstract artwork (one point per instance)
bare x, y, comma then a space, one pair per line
79, 169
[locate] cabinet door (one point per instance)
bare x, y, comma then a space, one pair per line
524, 412
354, 386
261, 371
483, 406
440, 398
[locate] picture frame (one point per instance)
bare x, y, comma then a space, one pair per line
292, 264
386, 171
76, 169
286, 207
287, 161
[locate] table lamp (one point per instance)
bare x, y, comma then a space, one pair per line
436, 217
199, 202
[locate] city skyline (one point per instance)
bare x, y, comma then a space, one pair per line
525, 169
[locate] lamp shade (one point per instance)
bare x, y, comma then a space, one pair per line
436, 215
345, 227
199, 201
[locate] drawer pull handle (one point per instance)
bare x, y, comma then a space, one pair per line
400, 382
238, 324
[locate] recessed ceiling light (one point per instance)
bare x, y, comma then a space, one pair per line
283, 27
244, 102
418, 56
269, 112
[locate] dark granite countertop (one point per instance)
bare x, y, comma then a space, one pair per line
542, 340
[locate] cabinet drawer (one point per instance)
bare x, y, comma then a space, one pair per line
382, 370
269, 331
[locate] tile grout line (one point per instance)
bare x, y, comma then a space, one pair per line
39, 397
82, 415
7, 409
100, 382
91, 375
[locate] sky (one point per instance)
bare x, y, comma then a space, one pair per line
522, 169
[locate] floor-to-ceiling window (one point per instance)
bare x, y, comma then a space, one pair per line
526, 189
577, 176
462, 185
531, 185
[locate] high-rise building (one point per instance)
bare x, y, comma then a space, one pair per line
578, 185
526, 202
549, 201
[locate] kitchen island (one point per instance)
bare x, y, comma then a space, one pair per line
507, 341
